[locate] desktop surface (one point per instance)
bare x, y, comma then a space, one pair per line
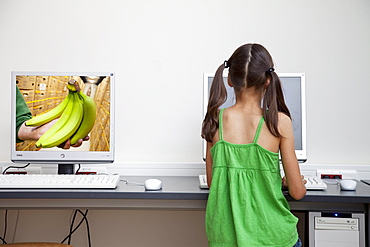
175, 188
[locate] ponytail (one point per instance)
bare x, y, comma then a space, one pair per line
273, 103
217, 97
250, 65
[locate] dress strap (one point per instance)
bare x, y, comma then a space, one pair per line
258, 131
220, 131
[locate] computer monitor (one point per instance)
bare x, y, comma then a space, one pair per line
294, 94
42, 92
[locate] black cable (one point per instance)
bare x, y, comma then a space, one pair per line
4, 242
84, 218
87, 225
18, 167
5, 225
78, 169
71, 227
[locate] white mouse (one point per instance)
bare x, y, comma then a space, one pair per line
153, 184
348, 184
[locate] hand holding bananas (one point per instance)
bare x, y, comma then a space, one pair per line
76, 113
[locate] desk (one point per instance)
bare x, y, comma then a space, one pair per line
181, 193
175, 188
176, 193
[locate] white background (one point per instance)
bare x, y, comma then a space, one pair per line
160, 49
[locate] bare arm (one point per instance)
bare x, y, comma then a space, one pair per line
33, 133
209, 164
293, 178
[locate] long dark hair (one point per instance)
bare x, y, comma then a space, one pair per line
251, 65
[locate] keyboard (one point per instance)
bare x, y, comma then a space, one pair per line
313, 183
53, 181
203, 182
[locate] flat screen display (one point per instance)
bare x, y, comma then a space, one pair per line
293, 85
35, 94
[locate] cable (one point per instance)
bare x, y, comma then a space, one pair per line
5, 227
69, 236
335, 182
71, 227
78, 169
87, 226
4, 242
134, 183
5, 224
15, 227
18, 167
84, 218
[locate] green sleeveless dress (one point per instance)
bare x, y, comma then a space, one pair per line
246, 206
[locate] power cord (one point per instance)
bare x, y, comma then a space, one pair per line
15, 226
17, 167
78, 169
5, 227
71, 230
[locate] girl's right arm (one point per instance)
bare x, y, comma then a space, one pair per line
209, 164
292, 172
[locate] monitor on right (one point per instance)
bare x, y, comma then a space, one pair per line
294, 93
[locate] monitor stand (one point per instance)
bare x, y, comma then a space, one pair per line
66, 168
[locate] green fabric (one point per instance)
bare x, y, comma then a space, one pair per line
23, 113
246, 206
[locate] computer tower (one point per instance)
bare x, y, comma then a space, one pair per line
336, 229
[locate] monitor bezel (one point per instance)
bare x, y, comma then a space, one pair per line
301, 154
62, 156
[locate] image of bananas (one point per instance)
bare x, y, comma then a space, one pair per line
76, 116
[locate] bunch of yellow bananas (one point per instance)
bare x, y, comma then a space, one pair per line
76, 113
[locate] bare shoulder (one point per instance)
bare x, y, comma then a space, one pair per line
285, 123
284, 119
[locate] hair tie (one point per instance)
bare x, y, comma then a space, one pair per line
226, 64
270, 70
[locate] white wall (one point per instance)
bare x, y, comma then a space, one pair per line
159, 50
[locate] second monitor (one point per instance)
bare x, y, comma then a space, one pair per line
293, 85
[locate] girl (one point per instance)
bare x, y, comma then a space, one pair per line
246, 206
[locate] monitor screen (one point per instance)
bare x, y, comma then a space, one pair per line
294, 93
73, 104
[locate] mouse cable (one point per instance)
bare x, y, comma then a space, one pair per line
18, 167
335, 182
134, 183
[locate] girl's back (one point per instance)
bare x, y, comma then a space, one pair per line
239, 127
245, 198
